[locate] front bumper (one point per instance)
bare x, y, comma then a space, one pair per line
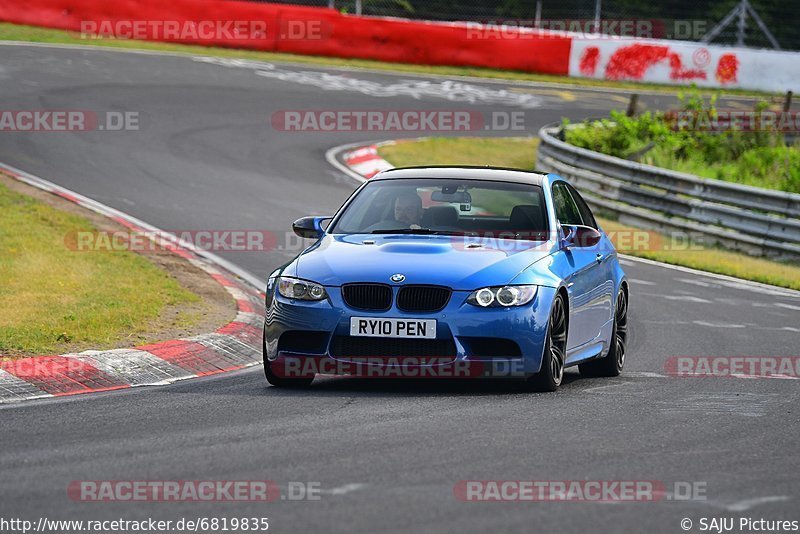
459, 322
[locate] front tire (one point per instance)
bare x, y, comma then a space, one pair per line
555, 350
612, 363
281, 381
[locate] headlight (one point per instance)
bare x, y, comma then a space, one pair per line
294, 288
502, 296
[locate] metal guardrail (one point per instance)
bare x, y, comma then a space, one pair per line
760, 221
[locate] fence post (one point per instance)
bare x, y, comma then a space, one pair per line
598, 7
632, 104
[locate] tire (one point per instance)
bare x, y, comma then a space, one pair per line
281, 381
612, 363
555, 349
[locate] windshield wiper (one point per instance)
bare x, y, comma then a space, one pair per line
404, 231
419, 231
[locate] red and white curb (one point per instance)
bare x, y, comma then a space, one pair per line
365, 161
234, 346
360, 161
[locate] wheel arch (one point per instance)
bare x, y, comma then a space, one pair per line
564, 293
623, 286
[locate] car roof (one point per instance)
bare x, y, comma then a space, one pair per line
497, 174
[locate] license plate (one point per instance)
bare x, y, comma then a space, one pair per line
405, 328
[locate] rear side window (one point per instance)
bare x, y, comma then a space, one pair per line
583, 207
567, 211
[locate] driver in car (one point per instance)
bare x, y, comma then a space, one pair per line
408, 210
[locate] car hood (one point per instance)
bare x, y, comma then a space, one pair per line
457, 262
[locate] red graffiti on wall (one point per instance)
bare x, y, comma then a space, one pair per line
677, 72
632, 63
589, 59
727, 68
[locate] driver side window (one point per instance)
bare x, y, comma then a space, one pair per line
567, 211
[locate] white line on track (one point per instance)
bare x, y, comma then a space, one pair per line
687, 298
743, 506
729, 281
644, 374
718, 325
342, 490
693, 282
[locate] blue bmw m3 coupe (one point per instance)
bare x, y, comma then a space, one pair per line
450, 271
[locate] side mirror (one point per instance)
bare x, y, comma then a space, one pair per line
310, 227
580, 236
569, 236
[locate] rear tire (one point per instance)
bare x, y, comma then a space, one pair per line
281, 381
611, 364
555, 349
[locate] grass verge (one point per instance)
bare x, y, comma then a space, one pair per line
521, 153
516, 152
54, 299
16, 32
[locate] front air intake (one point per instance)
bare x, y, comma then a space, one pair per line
375, 297
423, 298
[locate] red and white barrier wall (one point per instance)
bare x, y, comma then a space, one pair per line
326, 32
311, 30
683, 63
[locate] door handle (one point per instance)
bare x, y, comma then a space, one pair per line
599, 257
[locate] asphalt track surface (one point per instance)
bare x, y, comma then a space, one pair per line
386, 454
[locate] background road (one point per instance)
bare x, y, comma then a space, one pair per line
387, 455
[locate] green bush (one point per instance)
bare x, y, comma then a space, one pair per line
761, 158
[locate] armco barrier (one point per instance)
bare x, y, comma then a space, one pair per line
747, 218
330, 32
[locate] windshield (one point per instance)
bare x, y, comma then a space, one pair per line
447, 207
